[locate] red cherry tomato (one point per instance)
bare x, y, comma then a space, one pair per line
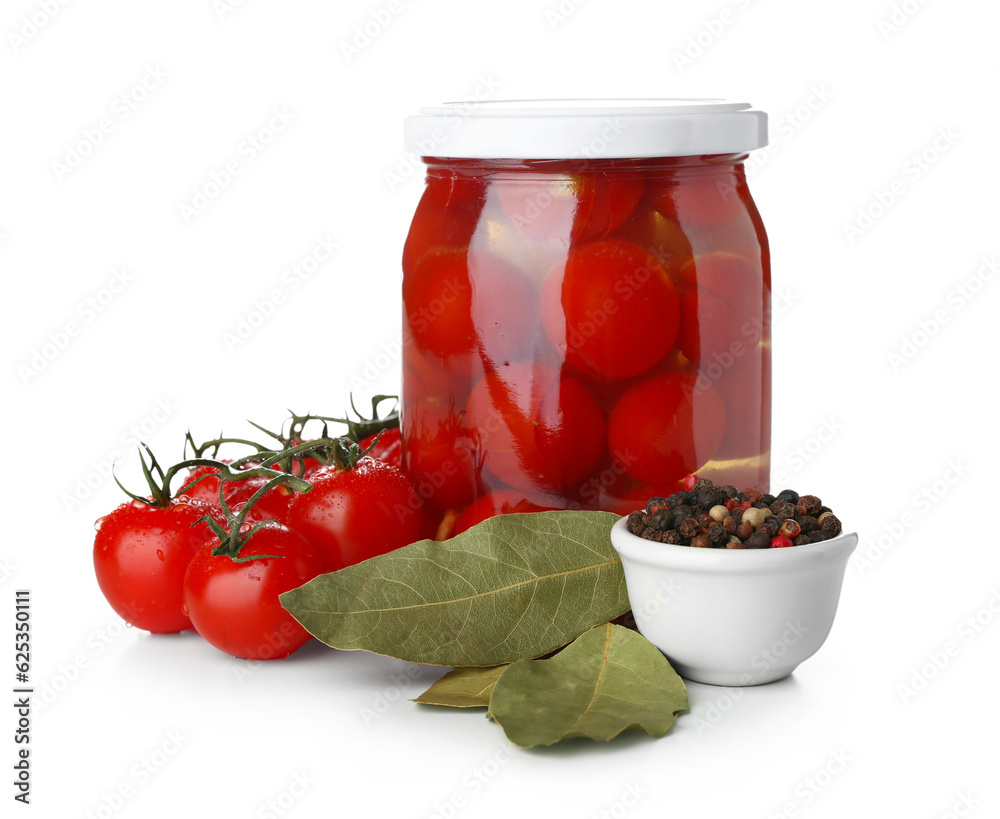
273, 506
727, 275
545, 206
386, 446
577, 207
538, 431
441, 455
698, 201
665, 427
659, 236
140, 556
616, 196
354, 514
498, 502
453, 313
234, 605
446, 216
612, 310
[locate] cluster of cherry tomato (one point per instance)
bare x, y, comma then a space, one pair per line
215, 554
583, 334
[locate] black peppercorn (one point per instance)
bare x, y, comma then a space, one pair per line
809, 505
788, 495
678, 499
830, 524
708, 497
782, 510
696, 517
634, 522
717, 534
807, 523
682, 511
655, 503
662, 519
689, 527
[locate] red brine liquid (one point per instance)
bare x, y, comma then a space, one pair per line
584, 334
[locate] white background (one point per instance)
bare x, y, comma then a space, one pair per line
900, 439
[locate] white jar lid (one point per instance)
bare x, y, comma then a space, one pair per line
570, 129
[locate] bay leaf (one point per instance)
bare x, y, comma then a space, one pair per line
468, 687
609, 680
511, 587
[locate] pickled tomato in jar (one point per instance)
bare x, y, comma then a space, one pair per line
586, 305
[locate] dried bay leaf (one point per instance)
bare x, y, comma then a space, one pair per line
511, 587
609, 680
468, 687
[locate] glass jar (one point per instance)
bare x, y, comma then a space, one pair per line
586, 305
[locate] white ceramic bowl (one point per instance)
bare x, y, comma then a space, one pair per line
733, 616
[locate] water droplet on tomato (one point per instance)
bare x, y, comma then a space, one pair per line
160, 555
98, 523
